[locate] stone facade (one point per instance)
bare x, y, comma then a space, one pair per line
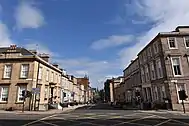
114, 90
20, 70
164, 68
85, 82
132, 81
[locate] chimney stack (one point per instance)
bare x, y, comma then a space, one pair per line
13, 47
56, 65
44, 57
33, 51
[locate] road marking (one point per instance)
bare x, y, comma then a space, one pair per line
172, 119
134, 120
59, 118
49, 123
163, 122
85, 123
141, 118
136, 124
90, 107
180, 122
27, 124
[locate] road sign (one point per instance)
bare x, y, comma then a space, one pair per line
36, 90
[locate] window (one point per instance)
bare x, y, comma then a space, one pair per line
172, 43
142, 75
24, 70
149, 51
140, 59
40, 73
46, 93
181, 87
155, 48
47, 75
163, 95
152, 71
20, 89
59, 79
4, 93
7, 71
186, 41
155, 93
176, 66
52, 77
55, 78
159, 69
144, 56
147, 73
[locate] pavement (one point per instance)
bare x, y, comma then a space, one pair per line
49, 112
100, 115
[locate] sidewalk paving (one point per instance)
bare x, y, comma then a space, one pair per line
165, 111
48, 112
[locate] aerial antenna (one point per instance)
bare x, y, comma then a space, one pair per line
37, 47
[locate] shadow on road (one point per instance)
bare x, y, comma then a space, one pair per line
92, 122
103, 106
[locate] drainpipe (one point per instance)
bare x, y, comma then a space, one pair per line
36, 86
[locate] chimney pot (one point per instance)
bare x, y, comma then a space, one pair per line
44, 57
13, 46
56, 65
33, 51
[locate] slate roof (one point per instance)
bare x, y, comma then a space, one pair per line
23, 51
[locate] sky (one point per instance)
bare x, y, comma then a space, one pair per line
94, 37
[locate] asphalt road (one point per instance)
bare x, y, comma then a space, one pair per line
98, 115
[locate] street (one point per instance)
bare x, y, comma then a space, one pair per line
98, 115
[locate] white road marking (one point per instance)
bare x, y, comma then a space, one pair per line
58, 118
39, 120
172, 119
134, 120
49, 123
90, 107
136, 124
181, 122
27, 124
163, 122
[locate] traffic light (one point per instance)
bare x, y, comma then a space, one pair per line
24, 93
137, 93
64, 94
182, 95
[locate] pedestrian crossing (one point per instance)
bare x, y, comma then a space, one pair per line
109, 119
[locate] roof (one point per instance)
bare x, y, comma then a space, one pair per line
166, 34
184, 26
132, 61
23, 51
28, 54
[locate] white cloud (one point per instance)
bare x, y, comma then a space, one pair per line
28, 16
111, 41
117, 21
4, 35
81, 72
34, 45
165, 19
97, 70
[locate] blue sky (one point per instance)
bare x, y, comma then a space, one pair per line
94, 37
